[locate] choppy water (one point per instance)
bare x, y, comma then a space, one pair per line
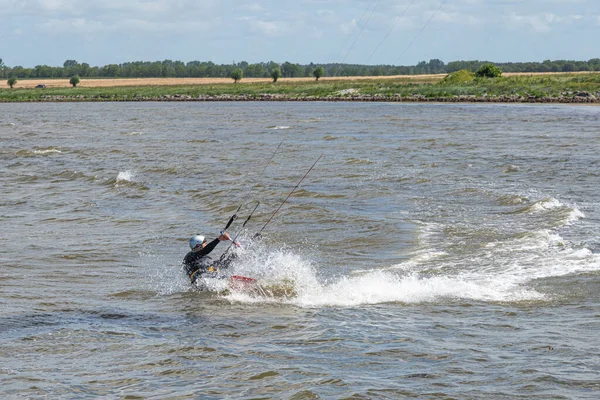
437, 251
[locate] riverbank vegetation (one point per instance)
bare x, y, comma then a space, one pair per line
462, 85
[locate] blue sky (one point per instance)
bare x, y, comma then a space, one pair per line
399, 32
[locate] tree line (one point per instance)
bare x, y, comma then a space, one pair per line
207, 69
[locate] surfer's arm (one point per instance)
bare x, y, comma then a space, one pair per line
209, 247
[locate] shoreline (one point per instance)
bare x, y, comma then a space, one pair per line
575, 98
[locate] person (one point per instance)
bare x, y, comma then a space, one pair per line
198, 262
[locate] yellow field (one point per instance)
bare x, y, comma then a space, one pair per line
55, 83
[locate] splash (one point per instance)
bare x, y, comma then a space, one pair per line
370, 287
163, 275
499, 267
406, 283
126, 176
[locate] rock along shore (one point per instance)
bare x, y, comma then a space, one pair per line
568, 97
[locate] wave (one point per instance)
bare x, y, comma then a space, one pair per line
565, 213
38, 151
358, 161
126, 179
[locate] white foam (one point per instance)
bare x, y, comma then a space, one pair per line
46, 151
371, 287
125, 176
547, 204
554, 204
575, 215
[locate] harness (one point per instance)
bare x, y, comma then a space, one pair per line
194, 275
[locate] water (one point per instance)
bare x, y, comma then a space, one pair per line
436, 251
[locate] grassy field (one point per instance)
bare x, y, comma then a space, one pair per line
424, 87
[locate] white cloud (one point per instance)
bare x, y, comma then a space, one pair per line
253, 7
543, 22
71, 26
348, 27
54, 5
269, 28
535, 22
325, 13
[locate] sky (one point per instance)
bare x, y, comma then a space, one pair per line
393, 32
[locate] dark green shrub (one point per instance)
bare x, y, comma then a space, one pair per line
237, 75
275, 74
318, 72
488, 71
458, 77
74, 80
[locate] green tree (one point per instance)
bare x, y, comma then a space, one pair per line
318, 72
43, 71
74, 80
11, 81
420, 68
70, 67
254, 70
488, 71
21, 72
84, 69
436, 66
113, 70
237, 75
289, 70
275, 74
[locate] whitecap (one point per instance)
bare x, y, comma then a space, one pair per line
126, 176
547, 204
46, 151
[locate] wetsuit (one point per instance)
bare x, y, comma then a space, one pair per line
198, 263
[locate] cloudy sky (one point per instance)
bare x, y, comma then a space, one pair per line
399, 32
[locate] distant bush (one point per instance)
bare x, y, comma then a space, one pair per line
74, 80
318, 72
458, 77
275, 74
237, 75
488, 71
11, 81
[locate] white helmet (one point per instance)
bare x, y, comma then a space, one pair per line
196, 240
